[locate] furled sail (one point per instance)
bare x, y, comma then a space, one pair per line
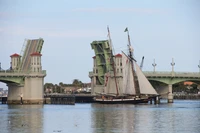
128, 79
144, 84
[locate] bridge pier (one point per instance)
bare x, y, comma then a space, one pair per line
170, 95
31, 92
14, 91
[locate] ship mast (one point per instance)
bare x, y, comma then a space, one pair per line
130, 49
112, 60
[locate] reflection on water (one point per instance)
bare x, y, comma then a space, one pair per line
181, 116
21, 118
113, 118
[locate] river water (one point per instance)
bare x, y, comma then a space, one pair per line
182, 116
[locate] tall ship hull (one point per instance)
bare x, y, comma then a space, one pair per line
121, 100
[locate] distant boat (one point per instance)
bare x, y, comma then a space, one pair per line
135, 87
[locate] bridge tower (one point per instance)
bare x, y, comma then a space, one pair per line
32, 89
15, 61
26, 78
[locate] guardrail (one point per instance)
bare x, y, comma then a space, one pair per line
21, 73
172, 74
163, 74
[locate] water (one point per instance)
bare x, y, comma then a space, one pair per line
183, 116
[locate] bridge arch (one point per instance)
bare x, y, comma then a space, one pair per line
8, 80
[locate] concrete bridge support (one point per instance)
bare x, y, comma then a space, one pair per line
170, 95
31, 92
14, 91
34, 92
165, 92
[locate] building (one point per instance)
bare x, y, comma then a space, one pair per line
96, 86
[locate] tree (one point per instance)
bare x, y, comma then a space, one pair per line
61, 84
75, 82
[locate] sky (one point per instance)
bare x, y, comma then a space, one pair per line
159, 29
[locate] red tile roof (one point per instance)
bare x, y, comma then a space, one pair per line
36, 54
15, 55
94, 57
118, 55
188, 83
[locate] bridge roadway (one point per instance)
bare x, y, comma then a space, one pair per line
172, 74
11, 73
18, 76
172, 77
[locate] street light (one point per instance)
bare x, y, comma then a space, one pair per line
172, 64
154, 65
199, 66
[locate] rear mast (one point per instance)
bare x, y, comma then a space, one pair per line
130, 50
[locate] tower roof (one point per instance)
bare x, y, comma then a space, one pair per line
118, 55
14, 55
36, 54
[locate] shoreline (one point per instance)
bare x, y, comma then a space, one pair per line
188, 97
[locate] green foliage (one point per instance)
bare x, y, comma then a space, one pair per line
77, 83
60, 88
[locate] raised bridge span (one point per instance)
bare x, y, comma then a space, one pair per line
31, 46
25, 78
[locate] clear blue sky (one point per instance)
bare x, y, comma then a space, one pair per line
160, 29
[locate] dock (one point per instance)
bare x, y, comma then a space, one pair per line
69, 99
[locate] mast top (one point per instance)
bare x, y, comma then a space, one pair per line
130, 48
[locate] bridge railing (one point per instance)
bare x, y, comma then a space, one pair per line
170, 74
20, 73
163, 74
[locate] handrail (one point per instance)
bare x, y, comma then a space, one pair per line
20, 73
167, 72
171, 74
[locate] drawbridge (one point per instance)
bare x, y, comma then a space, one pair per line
29, 47
25, 77
24, 66
103, 54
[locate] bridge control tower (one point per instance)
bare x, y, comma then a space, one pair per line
25, 79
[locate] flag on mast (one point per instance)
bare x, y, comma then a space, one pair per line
126, 29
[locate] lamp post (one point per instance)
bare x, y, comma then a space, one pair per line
172, 64
154, 65
199, 66
0, 66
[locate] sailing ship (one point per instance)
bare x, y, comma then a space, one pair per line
135, 86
